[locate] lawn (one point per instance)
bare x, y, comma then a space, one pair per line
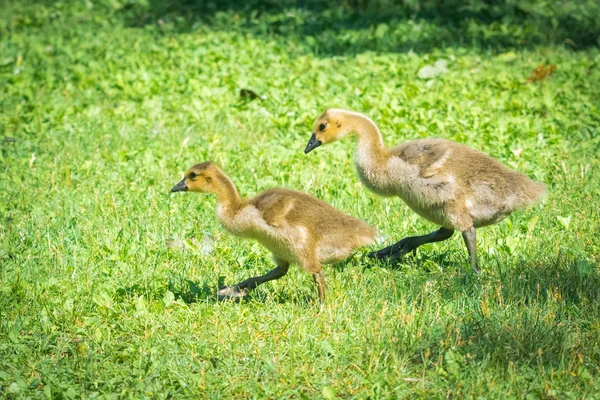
108, 280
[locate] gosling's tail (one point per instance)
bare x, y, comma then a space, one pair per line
365, 234
538, 192
531, 192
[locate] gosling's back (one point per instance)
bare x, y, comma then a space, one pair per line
450, 171
334, 234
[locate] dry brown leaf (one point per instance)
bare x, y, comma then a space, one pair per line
541, 72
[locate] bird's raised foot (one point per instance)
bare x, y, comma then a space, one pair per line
395, 251
232, 292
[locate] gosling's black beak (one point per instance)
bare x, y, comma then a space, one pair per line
180, 187
313, 143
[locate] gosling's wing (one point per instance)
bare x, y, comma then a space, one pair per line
292, 210
428, 173
428, 155
276, 206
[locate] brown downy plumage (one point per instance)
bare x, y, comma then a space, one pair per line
295, 227
445, 182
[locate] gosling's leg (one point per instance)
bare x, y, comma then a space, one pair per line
406, 245
319, 278
243, 288
470, 239
310, 263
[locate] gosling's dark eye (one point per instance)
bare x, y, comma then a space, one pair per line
322, 127
192, 175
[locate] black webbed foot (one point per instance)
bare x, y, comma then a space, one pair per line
397, 250
232, 292
408, 244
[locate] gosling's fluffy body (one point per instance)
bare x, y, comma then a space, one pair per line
448, 183
445, 182
297, 228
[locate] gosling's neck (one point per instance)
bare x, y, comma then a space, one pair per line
227, 194
370, 142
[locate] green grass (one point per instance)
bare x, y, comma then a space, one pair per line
100, 117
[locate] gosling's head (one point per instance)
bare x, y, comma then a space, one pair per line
329, 127
203, 178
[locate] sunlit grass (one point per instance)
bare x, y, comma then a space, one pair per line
99, 121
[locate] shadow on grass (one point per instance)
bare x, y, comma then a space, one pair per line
562, 278
422, 259
330, 28
327, 28
539, 311
194, 292
570, 279
184, 289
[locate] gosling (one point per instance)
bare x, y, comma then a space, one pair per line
295, 227
448, 183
